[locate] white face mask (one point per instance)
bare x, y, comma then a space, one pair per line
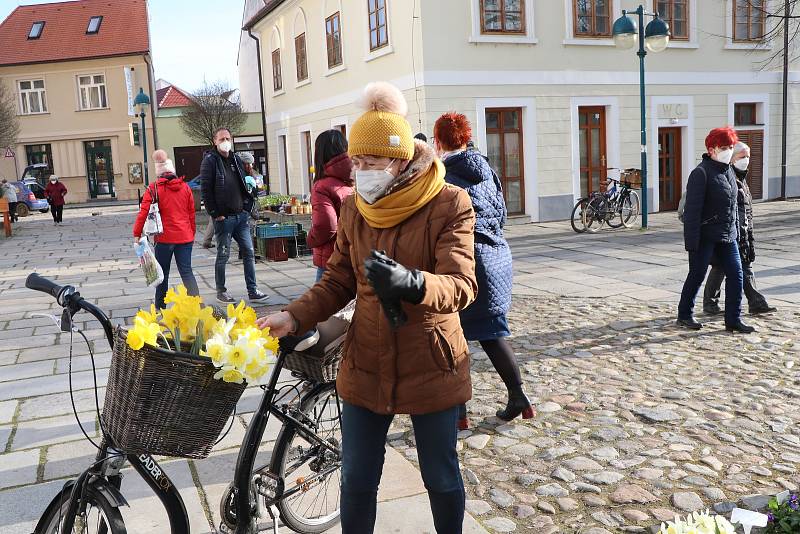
224, 146
742, 164
372, 184
724, 156
53, 181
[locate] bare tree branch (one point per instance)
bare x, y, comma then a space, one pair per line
211, 109
9, 123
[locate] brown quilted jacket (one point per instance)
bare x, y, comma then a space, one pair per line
423, 366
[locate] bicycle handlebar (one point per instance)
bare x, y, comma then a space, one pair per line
39, 283
67, 297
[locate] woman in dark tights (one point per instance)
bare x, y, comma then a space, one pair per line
485, 319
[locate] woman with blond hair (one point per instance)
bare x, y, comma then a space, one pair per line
404, 250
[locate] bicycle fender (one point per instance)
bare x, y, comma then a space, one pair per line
66, 489
114, 496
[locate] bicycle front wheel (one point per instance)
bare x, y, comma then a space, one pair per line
576, 220
630, 209
101, 516
594, 214
311, 472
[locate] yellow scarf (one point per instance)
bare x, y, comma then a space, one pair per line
395, 208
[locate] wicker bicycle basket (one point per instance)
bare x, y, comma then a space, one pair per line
165, 403
318, 370
631, 177
324, 368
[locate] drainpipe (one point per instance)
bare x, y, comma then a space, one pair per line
263, 102
152, 95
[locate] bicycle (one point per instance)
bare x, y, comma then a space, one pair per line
620, 200
307, 453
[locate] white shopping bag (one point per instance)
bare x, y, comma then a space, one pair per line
153, 274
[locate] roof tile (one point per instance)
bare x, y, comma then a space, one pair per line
124, 31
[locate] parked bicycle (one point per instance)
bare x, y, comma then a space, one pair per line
300, 484
618, 206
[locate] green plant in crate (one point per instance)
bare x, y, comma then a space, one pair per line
784, 518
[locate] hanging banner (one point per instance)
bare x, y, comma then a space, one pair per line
129, 87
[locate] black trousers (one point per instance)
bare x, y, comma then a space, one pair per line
57, 212
711, 293
12, 211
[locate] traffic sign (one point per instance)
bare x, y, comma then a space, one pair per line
9, 153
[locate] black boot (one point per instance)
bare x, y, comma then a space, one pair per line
518, 403
740, 327
463, 419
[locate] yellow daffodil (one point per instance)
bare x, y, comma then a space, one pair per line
151, 316
239, 356
218, 351
229, 374
141, 333
170, 318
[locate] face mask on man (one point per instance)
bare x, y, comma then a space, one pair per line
742, 164
372, 184
225, 146
724, 156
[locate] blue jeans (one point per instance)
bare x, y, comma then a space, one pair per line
320, 272
183, 258
731, 263
363, 448
235, 227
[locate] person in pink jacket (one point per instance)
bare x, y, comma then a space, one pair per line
332, 184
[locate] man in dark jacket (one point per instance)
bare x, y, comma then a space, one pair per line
757, 303
228, 204
710, 228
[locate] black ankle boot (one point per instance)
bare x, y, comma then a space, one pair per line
463, 419
518, 403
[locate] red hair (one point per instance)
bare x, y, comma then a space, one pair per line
721, 137
452, 130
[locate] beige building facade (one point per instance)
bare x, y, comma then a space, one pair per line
76, 113
553, 103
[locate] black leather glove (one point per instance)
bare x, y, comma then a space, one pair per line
392, 281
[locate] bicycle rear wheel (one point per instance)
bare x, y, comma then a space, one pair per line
594, 214
576, 219
309, 470
630, 209
101, 516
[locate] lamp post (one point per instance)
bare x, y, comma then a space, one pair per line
654, 38
142, 101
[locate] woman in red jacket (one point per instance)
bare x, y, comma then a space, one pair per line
55, 193
176, 205
332, 184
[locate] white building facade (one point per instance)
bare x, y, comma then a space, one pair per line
553, 103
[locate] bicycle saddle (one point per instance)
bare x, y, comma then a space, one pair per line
326, 337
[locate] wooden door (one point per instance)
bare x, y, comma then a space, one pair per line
505, 152
592, 148
670, 162
755, 174
188, 160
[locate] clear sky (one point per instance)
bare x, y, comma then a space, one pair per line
193, 40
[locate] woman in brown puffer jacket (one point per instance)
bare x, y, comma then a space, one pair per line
405, 352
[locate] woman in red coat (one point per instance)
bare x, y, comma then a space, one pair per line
176, 205
332, 184
55, 193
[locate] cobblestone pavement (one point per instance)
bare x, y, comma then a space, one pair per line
636, 419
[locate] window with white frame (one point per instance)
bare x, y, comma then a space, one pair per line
32, 97
92, 88
378, 33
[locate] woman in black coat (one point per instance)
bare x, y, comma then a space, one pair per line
485, 319
756, 302
710, 229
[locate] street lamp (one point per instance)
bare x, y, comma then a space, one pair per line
654, 38
142, 101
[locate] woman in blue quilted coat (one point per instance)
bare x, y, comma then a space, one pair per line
485, 319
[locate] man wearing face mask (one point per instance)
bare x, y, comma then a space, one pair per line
228, 203
756, 302
710, 228
405, 352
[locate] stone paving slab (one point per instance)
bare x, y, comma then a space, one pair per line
54, 430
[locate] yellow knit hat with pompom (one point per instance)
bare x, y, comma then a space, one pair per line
383, 129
